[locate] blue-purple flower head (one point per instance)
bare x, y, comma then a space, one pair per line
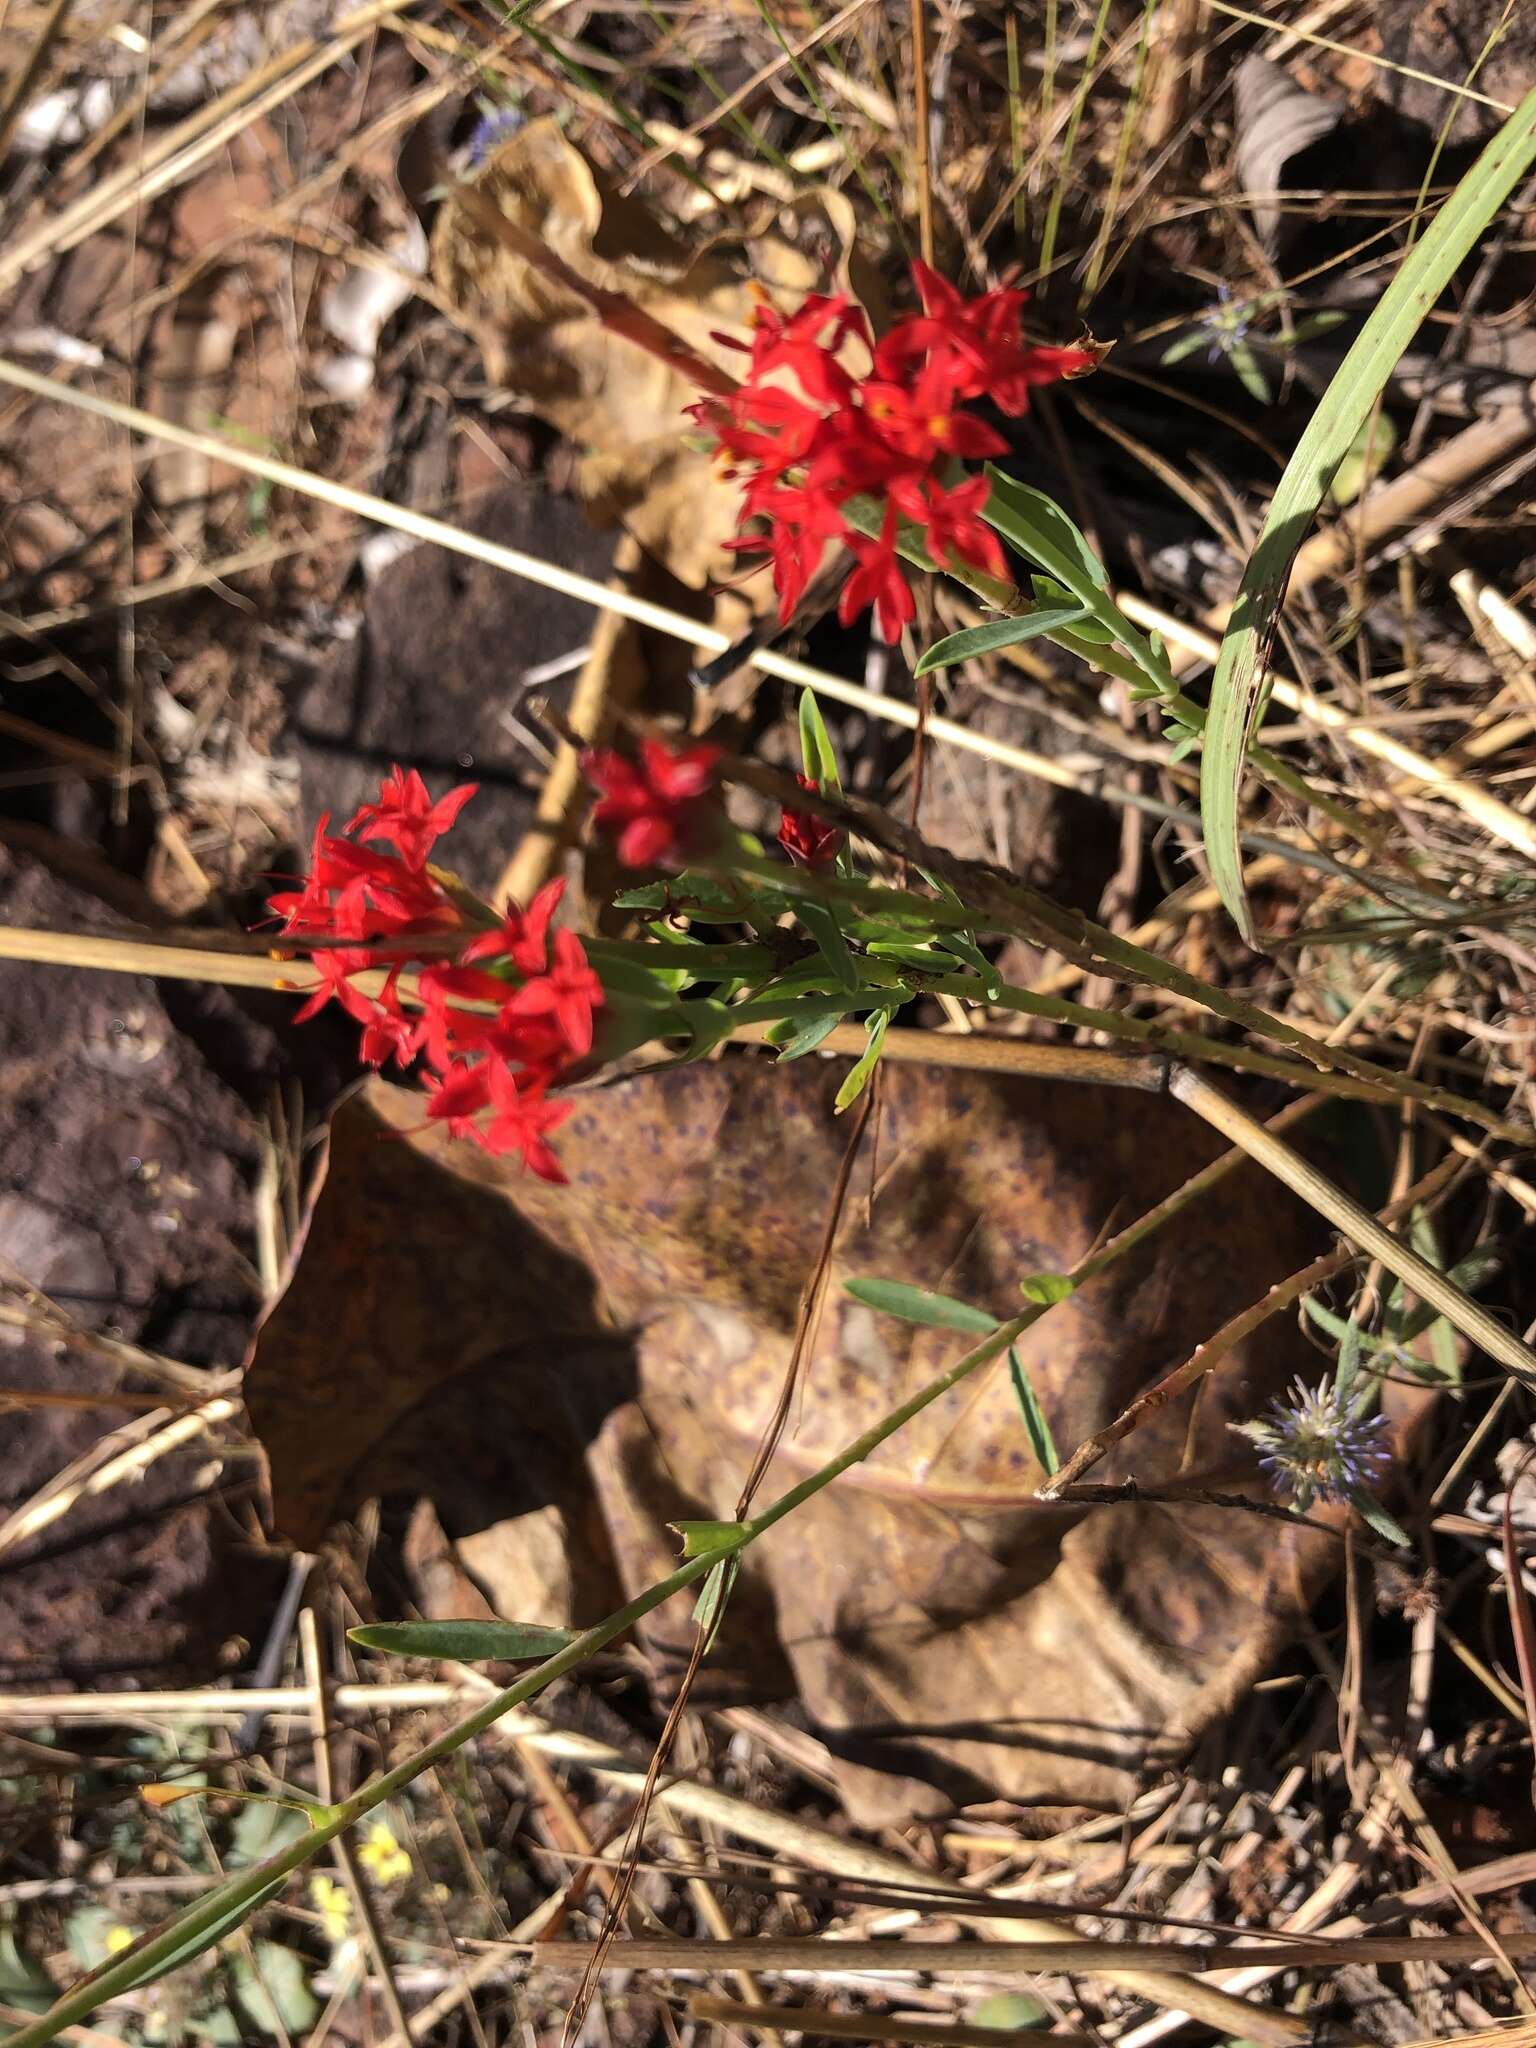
490, 132
1316, 1445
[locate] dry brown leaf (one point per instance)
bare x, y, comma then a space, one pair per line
624, 408
592, 1363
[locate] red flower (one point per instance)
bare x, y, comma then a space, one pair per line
955, 530
568, 995
804, 837
878, 581
891, 435
522, 935
923, 422
659, 807
978, 342
520, 1122
801, 521
795, 344
406, 814
499, 1025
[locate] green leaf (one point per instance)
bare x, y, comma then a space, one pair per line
1047, 1288
1375, 1516
1367, 455
921, 1305
964, 948
709, 1608
1238, 691
1469, 1274
1249, 374
23, 1982
232, 1917
858, 1078
1047, 591
1044, 535
1311, 325
700, 1538
1185, 344
467, 1642
273, 1992
820, 920
816, 744
1348, 1368
810, 1037
1009, 2010
997, 633
1036, 1428
263, 1827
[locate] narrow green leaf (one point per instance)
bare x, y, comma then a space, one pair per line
1047, 1288
816, 744
858, 1078
700, 1538
997, 633
1036, 1428
709, 1608
1249, 372
965, 949
1044, 535
810, 1037
468, 1642
198, 1944
1347, 1371
820, 920
1186, 344
1048, 592
1375, 1516
921, 1305
1364, 459
1238, 691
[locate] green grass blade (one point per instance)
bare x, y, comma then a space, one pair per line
1237, 689
997, 633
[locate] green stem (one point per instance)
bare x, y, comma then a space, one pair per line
1006, 906
211, 1917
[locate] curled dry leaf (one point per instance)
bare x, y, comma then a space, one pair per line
615, 401
601, 1359
1276, 119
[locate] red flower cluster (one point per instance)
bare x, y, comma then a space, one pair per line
889, 435
660, 809
807, 838
532, 995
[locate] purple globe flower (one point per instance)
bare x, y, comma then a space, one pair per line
1316, 1446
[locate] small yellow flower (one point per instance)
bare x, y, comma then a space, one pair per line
331, 1902
382, 1855
118, 1938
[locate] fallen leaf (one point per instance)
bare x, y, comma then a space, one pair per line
612, 1349
622, 406
1275, 121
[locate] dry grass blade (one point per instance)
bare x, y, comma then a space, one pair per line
863, 2026
401, 519
1227, 1338
814, 1955
1470, 1317
14, 103
192, 142
1500, 820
